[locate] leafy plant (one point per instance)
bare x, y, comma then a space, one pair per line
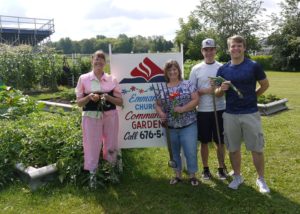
14, 104
264, 99
188, 65
43, 138
25, 68
8, 151
264, 60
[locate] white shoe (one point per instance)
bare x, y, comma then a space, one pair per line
263, 187
93, 181
237, 180
231, 173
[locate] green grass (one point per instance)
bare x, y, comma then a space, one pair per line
144, 184
63, 93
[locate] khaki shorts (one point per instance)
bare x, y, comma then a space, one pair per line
247, 127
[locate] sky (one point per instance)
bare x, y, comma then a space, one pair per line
84, 19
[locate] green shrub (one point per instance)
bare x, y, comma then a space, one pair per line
13, 104
25, 68
188, 65
40, 139
68, 95
264, 60
264, 99
9, 151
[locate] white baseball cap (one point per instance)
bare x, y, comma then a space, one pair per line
208, 43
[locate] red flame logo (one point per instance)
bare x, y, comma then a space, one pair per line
147, 70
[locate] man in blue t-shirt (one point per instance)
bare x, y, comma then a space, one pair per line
241, 117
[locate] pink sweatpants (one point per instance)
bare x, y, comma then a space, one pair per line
97, 132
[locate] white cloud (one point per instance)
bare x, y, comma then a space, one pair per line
87, 18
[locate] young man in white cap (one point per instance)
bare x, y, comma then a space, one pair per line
207, 124
241, 118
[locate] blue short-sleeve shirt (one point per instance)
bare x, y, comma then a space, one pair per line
244, 77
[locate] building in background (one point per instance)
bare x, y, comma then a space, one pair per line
22, 30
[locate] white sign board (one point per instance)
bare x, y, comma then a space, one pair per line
140, 125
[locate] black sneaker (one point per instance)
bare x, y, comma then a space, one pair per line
206, 175
222, 175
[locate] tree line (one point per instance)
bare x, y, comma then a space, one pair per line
121, 44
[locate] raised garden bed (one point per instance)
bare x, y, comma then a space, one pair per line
272, 107
36, 177
49, 105
271, 104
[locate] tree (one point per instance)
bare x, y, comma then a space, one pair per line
122, 45
190, 36
65, 44
140, 44
225, 18
88, 46
100, 37
102, 44
76, 47
158, 44
286, 39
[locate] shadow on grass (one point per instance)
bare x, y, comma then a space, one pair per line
145, 188
150, 195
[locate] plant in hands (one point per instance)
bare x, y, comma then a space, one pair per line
219, 80
174, 102
101, 102
100, 99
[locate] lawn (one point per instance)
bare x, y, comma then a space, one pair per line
144, 184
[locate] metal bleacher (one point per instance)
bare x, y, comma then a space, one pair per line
21, 30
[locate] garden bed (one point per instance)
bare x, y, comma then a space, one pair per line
50, 105
272, 107
36, 177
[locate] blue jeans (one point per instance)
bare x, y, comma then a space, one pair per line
187, 139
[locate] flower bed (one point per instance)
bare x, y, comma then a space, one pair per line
271, 104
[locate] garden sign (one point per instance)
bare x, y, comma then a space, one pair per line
140, 125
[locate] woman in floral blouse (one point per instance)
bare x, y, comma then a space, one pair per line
176, 108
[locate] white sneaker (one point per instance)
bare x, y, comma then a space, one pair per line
237, 180
93, 181
263, 187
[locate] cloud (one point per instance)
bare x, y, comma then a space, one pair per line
271, 6
11, 7
87, 18
108, 9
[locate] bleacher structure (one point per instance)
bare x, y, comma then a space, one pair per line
22, 30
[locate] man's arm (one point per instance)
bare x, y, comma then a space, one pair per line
263, 86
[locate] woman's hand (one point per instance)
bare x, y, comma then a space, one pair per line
179, 109
163, 116
94, 97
